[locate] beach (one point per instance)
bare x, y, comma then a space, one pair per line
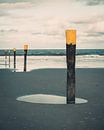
37, 62
17, 115
51, 65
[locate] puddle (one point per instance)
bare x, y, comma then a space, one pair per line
48, 99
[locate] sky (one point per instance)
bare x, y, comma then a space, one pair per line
42, 23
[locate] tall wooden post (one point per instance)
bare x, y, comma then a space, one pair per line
70, 58
14, 50
25, 57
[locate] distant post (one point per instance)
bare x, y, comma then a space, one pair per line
70, 58
5, 51
25, 57
14, 50
9, 58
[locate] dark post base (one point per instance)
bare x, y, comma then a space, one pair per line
25, 58
14, 60
71, 49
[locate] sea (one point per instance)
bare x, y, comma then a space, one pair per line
50, 58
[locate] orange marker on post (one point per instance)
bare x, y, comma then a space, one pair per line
71, 37
25, 56
70, 58
25, 47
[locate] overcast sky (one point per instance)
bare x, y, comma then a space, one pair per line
42, 23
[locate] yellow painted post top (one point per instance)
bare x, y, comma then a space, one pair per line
70, 37
25, 47
14, 49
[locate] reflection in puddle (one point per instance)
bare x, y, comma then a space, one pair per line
48, 99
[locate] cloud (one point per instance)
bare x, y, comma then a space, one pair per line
96, 34
8, 31
92, 23
18, 5
92, 2
78, 22
12, 1
100, 33
43, 24
45, 33
3, 13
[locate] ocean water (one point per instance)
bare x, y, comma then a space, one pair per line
37, 59
53, 52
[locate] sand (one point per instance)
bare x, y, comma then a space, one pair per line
16, 115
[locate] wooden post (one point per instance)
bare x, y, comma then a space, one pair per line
25, 57
9, 58
70, 58
14, 50
5, 51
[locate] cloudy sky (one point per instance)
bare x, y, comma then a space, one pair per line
42, 23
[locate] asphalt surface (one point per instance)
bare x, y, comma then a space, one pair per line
16, 115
